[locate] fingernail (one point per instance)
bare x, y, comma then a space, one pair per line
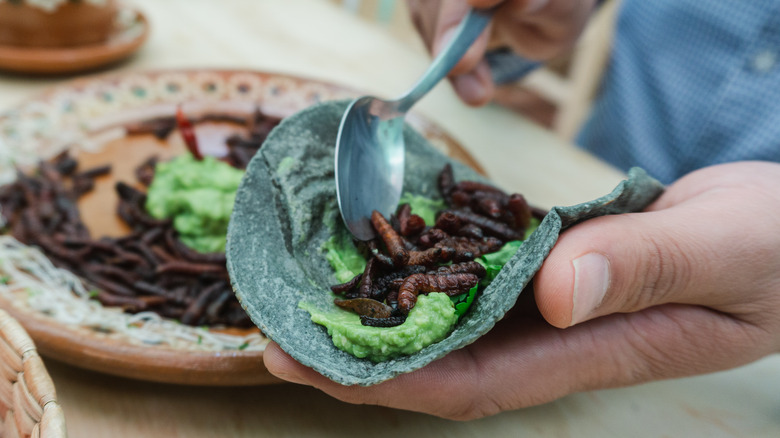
591, 280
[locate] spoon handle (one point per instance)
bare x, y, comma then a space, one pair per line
467, 32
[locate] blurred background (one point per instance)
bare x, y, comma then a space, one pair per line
556, 96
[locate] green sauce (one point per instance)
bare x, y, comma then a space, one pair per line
424, 207
343, 257
199, 196
429, 321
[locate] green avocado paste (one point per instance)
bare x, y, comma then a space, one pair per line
199, 196
429, 321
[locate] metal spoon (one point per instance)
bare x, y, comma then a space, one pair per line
370, 143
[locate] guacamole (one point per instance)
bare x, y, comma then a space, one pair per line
343, 257
199, 196
423, 207
428, 322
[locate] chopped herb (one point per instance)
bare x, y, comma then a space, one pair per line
462, 302
94, 293
243, 346
5, 279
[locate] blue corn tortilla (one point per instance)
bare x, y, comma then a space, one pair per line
286, 209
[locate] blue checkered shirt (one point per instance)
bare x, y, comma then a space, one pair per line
690, 83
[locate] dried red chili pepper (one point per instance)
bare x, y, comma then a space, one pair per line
188, 133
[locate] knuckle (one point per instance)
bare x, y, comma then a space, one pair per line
665, 271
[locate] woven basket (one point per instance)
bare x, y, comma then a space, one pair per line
28, 402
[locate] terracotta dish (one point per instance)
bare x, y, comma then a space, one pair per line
128, 34
93, 119
70, 23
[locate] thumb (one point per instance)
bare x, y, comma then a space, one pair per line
627, 263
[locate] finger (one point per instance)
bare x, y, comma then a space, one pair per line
686, 253
424, 14
615, 264
450, 16
524, 362
476, 88
541, 29
281, 365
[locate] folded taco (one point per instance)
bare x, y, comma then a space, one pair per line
286, 219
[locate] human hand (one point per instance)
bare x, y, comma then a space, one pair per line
536, 29
692, 286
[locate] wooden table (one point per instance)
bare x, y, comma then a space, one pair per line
313, 38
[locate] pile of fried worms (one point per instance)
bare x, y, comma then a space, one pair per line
149, 269
410, 258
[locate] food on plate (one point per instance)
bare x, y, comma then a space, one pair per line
285, 218
171, 261
198, 195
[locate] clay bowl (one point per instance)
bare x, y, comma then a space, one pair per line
68, 24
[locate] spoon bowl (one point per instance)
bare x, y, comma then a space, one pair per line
370, 145
370, 169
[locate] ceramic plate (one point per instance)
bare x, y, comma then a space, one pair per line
93, 118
